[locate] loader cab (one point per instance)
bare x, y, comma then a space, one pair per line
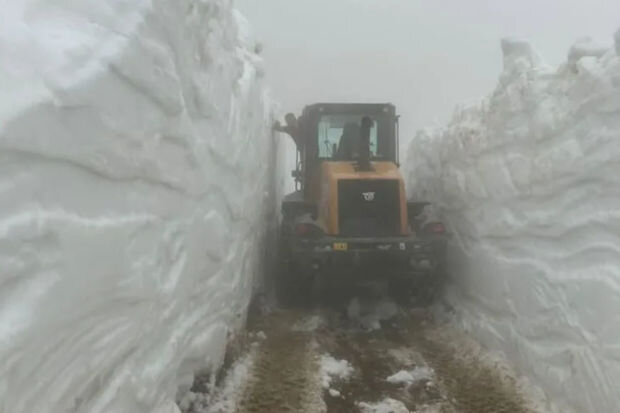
331, 133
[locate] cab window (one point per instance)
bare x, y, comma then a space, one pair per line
338, 137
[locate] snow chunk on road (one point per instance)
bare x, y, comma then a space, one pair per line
402, 377
332, 368
405, 356
385, 406
409, 377
309, 324
370, 313
334, 393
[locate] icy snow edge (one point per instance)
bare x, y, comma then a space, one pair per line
136, 171
528, 183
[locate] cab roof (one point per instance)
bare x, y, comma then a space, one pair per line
350, 107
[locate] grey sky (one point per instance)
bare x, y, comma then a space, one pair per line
424, 56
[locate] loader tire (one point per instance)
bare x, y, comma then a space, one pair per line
293, 287
419, 292
402, 291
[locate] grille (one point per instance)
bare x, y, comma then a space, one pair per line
369, 208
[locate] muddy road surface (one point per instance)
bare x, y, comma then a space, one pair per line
370, 356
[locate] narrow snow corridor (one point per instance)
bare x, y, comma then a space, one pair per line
147, 214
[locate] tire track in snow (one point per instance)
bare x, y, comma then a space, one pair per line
410, 364
472, 384
285, 376
376, 356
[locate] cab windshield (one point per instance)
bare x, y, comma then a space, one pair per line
339, 137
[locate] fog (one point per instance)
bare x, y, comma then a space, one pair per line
150, 251
423, 56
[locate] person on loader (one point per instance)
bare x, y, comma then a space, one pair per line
291, 128
364, 144
349, 142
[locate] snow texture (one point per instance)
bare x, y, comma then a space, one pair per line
368, 314
136, 171
334, 393
236, 382
585, 48
309, 324
331, 368
385, 406
413, 376
528, 183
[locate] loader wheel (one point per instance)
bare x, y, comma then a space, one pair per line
432, 287
293, 287
419, 292
402, 291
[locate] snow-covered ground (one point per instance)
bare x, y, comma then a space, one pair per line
136, 190
412, 362
528, 182
385, 406
409, 377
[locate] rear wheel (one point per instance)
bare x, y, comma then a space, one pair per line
418, 290
401, 290
294, 286
430, 289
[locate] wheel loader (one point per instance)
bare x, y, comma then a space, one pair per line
349, 221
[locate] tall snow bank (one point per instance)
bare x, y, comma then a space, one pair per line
136, 171
528, 181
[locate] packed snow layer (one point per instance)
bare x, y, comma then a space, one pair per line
136, 181
529, 184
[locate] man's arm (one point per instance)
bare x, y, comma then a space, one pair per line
277, 126
291, 129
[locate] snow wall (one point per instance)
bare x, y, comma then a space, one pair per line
529, 183
136, 180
